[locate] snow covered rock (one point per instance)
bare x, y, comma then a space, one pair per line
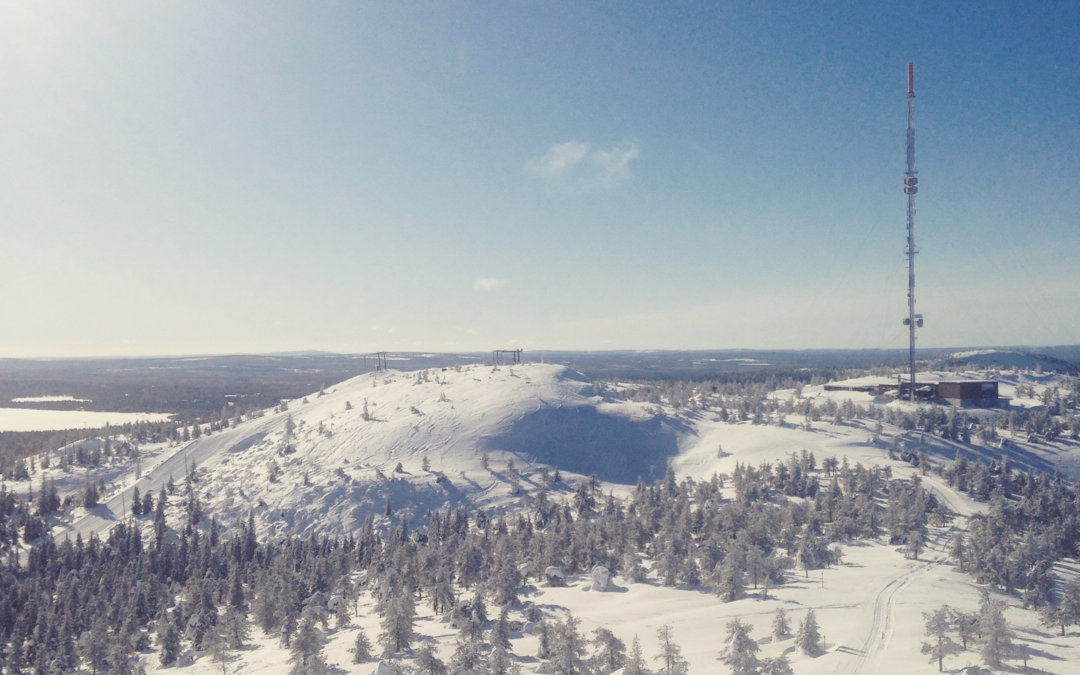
335, 603
555, 576
601, 578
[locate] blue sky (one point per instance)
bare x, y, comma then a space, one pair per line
197, 177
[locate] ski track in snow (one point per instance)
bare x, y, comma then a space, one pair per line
879, 634
880, 630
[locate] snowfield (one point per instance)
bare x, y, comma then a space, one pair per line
32, 419
489, 437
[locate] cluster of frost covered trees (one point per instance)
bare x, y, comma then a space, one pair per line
151, 589
755, 401
740, 653
1031, 523
950, 631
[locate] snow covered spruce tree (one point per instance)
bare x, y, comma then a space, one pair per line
996, 635
635, 661
966, 625
499, 635
670, 656
740, 652
808, 637
428, 662
1067, 610
568, 647
397, 624
610, 654
468, 652
939, 645
168, 640
94, 646
307, 649
781, 627
776, 665
728, 578
361, 650
499, 660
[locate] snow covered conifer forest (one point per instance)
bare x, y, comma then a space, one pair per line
426, 522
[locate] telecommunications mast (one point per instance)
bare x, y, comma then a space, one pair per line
911, 186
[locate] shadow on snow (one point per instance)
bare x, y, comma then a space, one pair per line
582, 440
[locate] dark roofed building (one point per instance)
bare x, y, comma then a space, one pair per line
970, 393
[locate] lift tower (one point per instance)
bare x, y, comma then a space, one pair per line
911, 186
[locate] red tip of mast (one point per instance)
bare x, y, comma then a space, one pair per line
911, 77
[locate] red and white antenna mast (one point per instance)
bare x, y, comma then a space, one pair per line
911, 186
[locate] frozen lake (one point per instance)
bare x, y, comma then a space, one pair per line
28, 419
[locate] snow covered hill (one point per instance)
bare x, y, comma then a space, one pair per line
406, 442
1008, 358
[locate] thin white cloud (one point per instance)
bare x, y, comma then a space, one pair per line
559, 159
489, 284
583, 165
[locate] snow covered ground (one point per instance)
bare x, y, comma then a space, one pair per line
869, 609
488, 436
